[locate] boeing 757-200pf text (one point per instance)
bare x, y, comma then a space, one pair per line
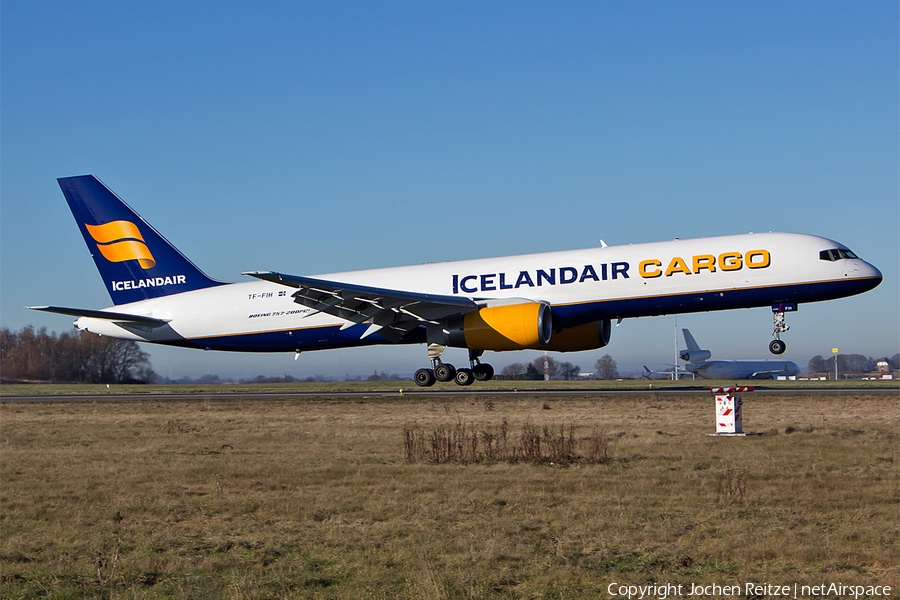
557, 301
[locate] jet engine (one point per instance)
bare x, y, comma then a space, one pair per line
504, 327
694, 356
589, 336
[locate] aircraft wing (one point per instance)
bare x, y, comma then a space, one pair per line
390, 313
103, 314
767, 374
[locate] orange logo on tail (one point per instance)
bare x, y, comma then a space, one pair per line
120, 241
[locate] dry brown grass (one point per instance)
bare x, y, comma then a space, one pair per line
317, 499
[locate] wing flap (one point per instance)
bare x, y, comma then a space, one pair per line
390, 313
335, 287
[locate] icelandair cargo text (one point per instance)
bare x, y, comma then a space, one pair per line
648, 269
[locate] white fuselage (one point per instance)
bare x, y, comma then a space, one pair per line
744, 369
580, 286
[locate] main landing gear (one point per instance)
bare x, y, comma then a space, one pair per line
777, 346
441, 371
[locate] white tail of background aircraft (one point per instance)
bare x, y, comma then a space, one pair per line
557, 301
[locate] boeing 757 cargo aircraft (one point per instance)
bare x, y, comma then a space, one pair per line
557, 301
699, 364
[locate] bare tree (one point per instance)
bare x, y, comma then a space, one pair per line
606, 368
77, 356
569, 371
816, 364
513, 371
553, 366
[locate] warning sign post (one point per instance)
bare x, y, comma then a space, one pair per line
729, 411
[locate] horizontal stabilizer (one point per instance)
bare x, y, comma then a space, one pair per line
102, 314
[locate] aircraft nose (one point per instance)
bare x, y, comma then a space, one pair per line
874, 273
868, 273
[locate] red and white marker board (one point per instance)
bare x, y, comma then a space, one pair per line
729, 417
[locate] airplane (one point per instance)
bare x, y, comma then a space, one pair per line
698, 364
560, 301
674, 373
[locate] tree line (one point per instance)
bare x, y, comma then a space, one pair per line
851, 363
604, 368
79, 356
76, 356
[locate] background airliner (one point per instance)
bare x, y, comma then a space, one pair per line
556, 301
699, 364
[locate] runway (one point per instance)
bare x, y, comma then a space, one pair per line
414, 392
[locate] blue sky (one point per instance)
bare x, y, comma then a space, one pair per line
313, 137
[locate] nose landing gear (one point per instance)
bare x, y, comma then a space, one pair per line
777, 346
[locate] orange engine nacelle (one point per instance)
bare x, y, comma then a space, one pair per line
589, 336
507, 327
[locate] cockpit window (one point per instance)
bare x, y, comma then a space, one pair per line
836, 254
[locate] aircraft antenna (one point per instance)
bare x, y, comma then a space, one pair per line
675, 368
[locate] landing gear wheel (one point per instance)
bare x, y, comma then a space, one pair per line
424, 377
777, 347
464, 377
483, 372
444, 372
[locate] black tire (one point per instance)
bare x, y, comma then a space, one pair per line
464, 377
444, 372
483, 372
777, 347
424, 378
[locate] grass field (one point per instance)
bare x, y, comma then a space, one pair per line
316, 499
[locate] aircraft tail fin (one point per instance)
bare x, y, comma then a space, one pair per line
134, 260
692, 345
693, 354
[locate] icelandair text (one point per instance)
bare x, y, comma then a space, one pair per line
136, 284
